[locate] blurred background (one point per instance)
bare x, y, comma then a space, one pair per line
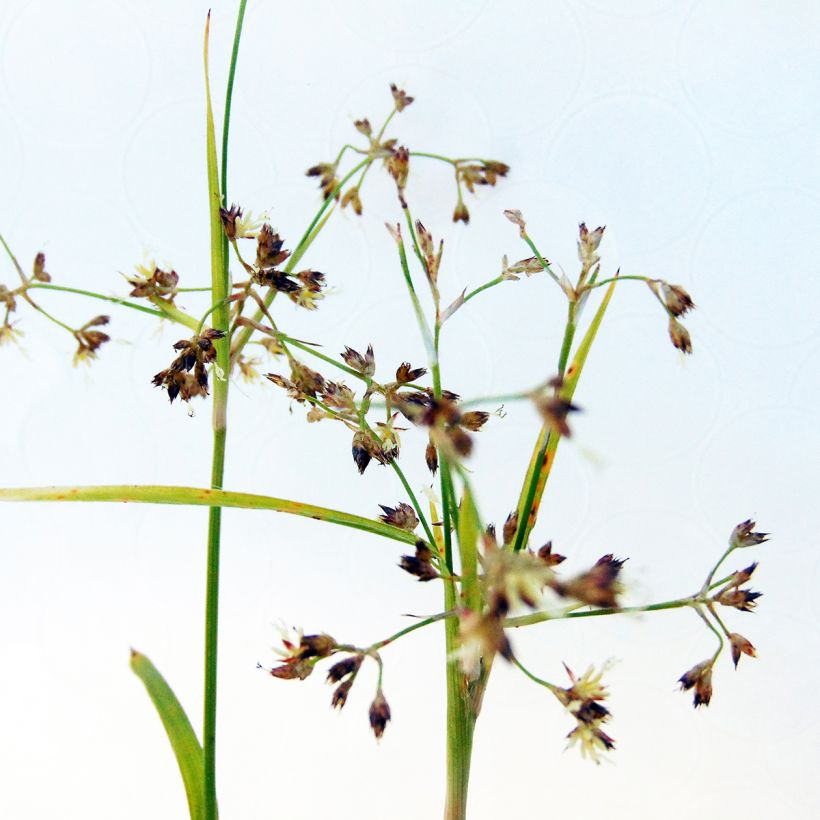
690, 129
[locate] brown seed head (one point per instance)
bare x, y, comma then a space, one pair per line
679, 335
460, 213
740, 646
402, 516
39, 268
742, 535
400, 98
379, 714
699, 678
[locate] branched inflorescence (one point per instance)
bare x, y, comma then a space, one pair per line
492, 584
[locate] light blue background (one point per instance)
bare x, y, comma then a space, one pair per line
690, 129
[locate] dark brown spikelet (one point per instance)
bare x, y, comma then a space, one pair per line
161, 283
598, 586
328, 181
743, 599
740, 646
39, 268
405, 373
680, 336
402, 516
316, 646
379, 714
192, 354
550, 558
554, 410
340, 693
420, 564
229, 217
431, 457
293, 669
366, 365
742, 535
699, 678
343, 668
510, 528
365, 448
269, 251
400, 97
474, 420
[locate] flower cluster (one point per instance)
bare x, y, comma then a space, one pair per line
192, 354
90, 340
583, 700
151, 281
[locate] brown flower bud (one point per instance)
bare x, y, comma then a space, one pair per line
517, 218
474, 420
699, 678
229, 217
351, 197
548, 557
400, 98
431, 457
363, 127
510, 528
39, 269
343, 668
316, 646
679, 335
598, 586
402, 516
405, 373
743, 599
742, 535
340, 693
678, 302
379, 714
366, 365
740, 646
460, 213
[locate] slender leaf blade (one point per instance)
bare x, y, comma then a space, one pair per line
181, 735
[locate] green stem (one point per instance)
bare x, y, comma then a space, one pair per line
203, 497
540, 617
114, 299
304, 243
408, 629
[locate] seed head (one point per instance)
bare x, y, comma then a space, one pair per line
742, 535
679, 335
699, 678
379, 714
740, 646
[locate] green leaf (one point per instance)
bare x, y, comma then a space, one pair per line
200, 497
184, 741
468, 550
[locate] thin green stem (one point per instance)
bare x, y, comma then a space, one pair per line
304, 243
113, 299
592, 285
408, 629
708, 581
544, 263
540, 681
540, 617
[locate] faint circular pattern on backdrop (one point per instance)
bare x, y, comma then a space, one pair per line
670, 168
164, 170
424, 24
541, 56
630, 8
439, 97
12, 161
755, 465
752, 65
753, 262
68, 89
645, 404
